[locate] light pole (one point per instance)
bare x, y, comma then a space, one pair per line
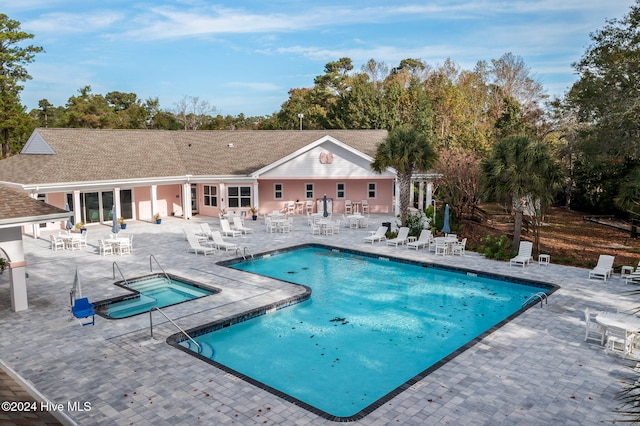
300, 116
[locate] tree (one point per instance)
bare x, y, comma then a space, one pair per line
459, 185
192, 112
524, 173
606, 101
407, 150
12, 72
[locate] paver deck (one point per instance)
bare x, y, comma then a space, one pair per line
537, 369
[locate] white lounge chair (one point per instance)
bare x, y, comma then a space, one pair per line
237, 223
380, 235
205, 232
524, 254
226, 228
423, 240
604, 268
401, 238
220, 243
195, 246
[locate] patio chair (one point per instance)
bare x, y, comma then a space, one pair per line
348, 207
423, 240
401, 238
226, 228
441, 246
56, 243
220, 243
105, 248
195, 246
604, 268
82, 309
237, 223
365, 206
524, 254
619, 341
593, 330
460, 247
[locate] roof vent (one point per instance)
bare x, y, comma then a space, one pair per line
229, 145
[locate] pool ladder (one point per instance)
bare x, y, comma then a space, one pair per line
155, 308
115, 265
244, 252
533, 299
157, 263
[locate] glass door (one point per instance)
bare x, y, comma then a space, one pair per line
194, 198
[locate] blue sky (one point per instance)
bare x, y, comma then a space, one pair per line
244, 56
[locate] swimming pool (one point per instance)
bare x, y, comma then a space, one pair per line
372, 327
151, 291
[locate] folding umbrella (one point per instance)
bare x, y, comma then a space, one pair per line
325, 213
115, 228
445, 228
68, 225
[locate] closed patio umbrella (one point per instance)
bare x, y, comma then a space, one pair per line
115, 228
445, 228
325, 213
68, 225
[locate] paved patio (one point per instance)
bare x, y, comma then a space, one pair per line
536, 369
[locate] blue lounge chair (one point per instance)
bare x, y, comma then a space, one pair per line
83, 309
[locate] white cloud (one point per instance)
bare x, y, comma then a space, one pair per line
60, 23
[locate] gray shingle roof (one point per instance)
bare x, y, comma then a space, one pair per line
16, 206
93, 155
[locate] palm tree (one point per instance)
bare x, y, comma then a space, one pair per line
407, 150
524, 172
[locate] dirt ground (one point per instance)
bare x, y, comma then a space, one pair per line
567, 237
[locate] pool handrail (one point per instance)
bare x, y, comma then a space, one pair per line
115, 265
171, 321
159, 266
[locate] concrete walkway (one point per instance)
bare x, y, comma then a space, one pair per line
537, 369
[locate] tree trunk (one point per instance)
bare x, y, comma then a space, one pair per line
517, 229
404, 182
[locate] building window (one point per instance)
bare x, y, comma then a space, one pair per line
371, 190
277, 191
308, 192
239, 196
210, 195
340, 190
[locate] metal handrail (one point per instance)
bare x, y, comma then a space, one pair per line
158, 263
115, 265
171, 321
540, 295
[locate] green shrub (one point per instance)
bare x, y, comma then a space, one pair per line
415, 223
496, 248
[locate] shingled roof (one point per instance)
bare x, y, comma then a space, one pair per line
17, 208
82, 155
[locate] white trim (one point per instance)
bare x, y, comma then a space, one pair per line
309, 147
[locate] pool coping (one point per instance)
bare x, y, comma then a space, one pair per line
176, 338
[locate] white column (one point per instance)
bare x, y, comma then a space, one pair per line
154, 200
223, 203
18, 287
256, 195
421, 195
77, 211
116, 202
186, 201
429, 193
35, 228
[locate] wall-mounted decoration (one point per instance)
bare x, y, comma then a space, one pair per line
326, 158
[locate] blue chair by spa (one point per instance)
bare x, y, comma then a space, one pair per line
82, 309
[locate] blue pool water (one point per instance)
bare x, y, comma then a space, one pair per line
149, 292
369, 327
